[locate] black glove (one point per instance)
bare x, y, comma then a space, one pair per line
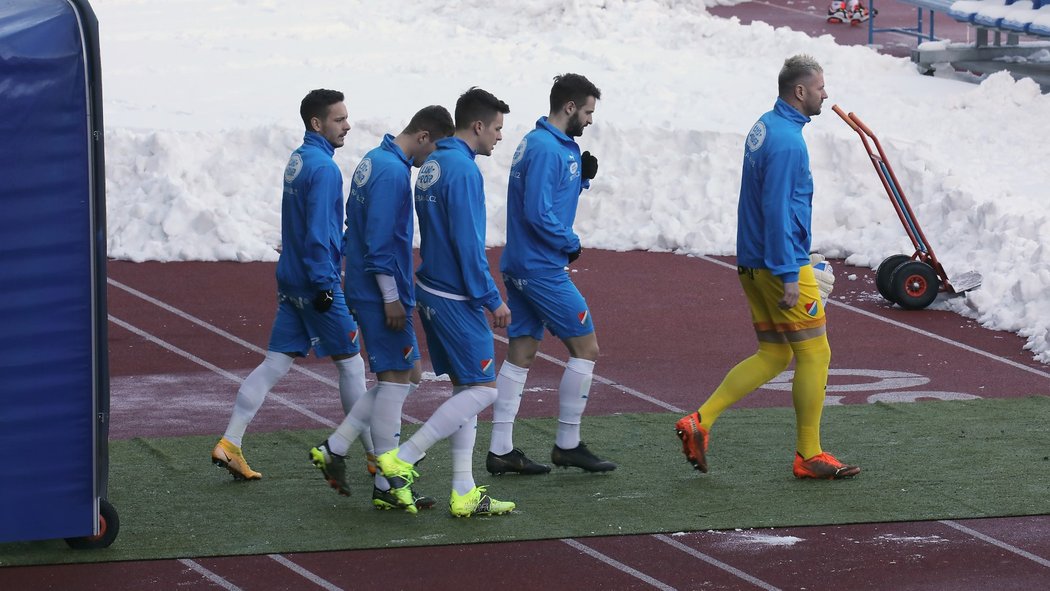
323, 300
590, 165
575, 255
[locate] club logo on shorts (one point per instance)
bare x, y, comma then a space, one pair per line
353, 336
407, 352
583, 316
363, 172
756, 136
428, 175
812, 308
295, 165
486, 365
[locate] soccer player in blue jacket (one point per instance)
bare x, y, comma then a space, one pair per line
311, 311
455, 288
379, 289
773, 239
547, 175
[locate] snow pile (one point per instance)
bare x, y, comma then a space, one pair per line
201, 104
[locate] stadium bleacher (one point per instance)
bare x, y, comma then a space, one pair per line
992, 20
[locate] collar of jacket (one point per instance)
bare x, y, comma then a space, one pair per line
391, 146
790, 113
313, 138
543, 123
454, 143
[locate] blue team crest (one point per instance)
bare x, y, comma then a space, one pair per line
428, 175
574, 169
756, 136
519, 152
295, 165
364, 170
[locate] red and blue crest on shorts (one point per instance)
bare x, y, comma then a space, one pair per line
407, 352
486, 365
353, 334
583, 316
813, 308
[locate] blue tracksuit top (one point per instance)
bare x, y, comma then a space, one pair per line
775, 212
450, 204
311, 220
542, 195
379, 224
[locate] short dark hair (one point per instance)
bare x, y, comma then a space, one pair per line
316, 104
434, 119
478, 105
796, 69
572, 87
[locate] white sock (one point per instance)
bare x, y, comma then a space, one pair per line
352, 387
463, 406
386, 420
572, 399
253, 391
354, 424
462, 443
510, 383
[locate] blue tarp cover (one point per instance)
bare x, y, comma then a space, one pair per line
47, 472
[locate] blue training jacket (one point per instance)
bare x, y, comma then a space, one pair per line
379, 224
775, 212
542, 195
450, 204
311, 220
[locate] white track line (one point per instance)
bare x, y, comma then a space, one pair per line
924, 333
617, 564
997, 543
207, 574
715, 562
298, 408
222, 372
313, 578
605, 381
234, 338
210, 327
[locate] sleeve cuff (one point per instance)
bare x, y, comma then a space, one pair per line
387, 287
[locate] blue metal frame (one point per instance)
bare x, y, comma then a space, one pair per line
916, 32
913, 229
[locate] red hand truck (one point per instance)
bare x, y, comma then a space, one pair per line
912, 282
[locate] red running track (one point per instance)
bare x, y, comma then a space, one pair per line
669, 328
811, 18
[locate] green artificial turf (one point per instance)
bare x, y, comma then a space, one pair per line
927, 460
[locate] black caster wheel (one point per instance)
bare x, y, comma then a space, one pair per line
886, 269
914, 285
108, 528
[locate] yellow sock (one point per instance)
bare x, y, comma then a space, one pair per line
749, 374
812, 358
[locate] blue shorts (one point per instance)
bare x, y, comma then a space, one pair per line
298, 328
387, 350
459, 338
551, 302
